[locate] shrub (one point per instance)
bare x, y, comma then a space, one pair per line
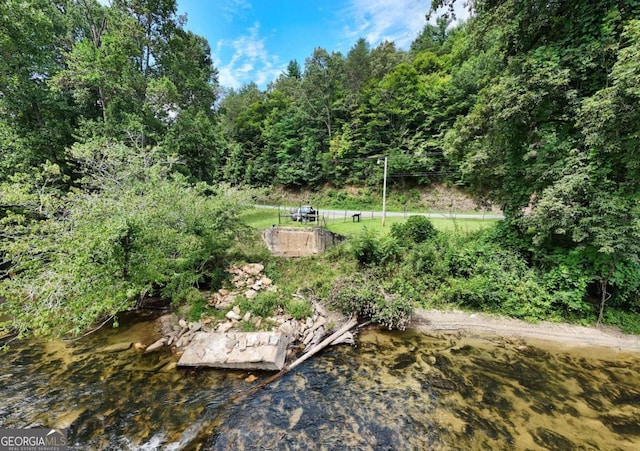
417, 229
370, 250
365, 295
136, 232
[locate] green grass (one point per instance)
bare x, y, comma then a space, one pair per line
260, 219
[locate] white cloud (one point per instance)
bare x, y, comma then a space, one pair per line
250, 60
232, 8
393, 20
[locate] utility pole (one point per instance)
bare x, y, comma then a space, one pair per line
384, 191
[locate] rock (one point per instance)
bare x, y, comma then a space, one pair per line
223, 292
157, 345
251, 378
266, 281
250, 294
117, 347
179, 342
66, 420
231, 342
224, 327
307, 337
195, 327
236, 309
139, 346
295, 417
253, 269
242, 343
232, 315
171, 339
170, 367
167, 322
182, 323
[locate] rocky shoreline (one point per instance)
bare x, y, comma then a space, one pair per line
248, 280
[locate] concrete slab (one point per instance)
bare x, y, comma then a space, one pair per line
237, 350
299, 241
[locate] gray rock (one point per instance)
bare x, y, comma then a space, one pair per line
224, 327
157, 345
117, 347
195, 327
182, 323
232, 315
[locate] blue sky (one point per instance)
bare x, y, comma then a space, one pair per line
253, 40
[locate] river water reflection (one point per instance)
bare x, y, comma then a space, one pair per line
393, 391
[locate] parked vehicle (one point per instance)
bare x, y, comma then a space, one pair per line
303, 214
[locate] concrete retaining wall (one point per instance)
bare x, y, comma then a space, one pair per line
298, 241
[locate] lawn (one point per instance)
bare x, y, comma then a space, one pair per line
261, 218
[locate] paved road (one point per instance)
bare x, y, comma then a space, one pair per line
378, 214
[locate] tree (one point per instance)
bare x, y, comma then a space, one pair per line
138, 230
553, 137
37, 122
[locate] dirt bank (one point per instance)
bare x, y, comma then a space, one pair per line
546, 334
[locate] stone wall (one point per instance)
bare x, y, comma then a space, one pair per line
298, 241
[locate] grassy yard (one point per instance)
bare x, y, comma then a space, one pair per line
260, 218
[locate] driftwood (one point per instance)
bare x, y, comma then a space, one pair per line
353, 322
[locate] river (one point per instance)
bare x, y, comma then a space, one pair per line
393, 391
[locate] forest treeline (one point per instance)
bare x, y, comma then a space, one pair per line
530, 104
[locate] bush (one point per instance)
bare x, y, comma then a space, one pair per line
417, 229
370, 250
364, 294
134, 233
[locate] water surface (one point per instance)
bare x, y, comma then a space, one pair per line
393, 391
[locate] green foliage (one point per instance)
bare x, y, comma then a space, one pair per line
371, 251
264, 304
365, 295
416, 230
298, 308
141, 231
627, 321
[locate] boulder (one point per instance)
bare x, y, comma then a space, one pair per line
157, 345
233, 316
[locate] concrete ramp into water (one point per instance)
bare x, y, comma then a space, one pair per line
237, 350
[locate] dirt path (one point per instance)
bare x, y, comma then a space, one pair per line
556, 335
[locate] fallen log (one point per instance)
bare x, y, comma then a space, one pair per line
353, 322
